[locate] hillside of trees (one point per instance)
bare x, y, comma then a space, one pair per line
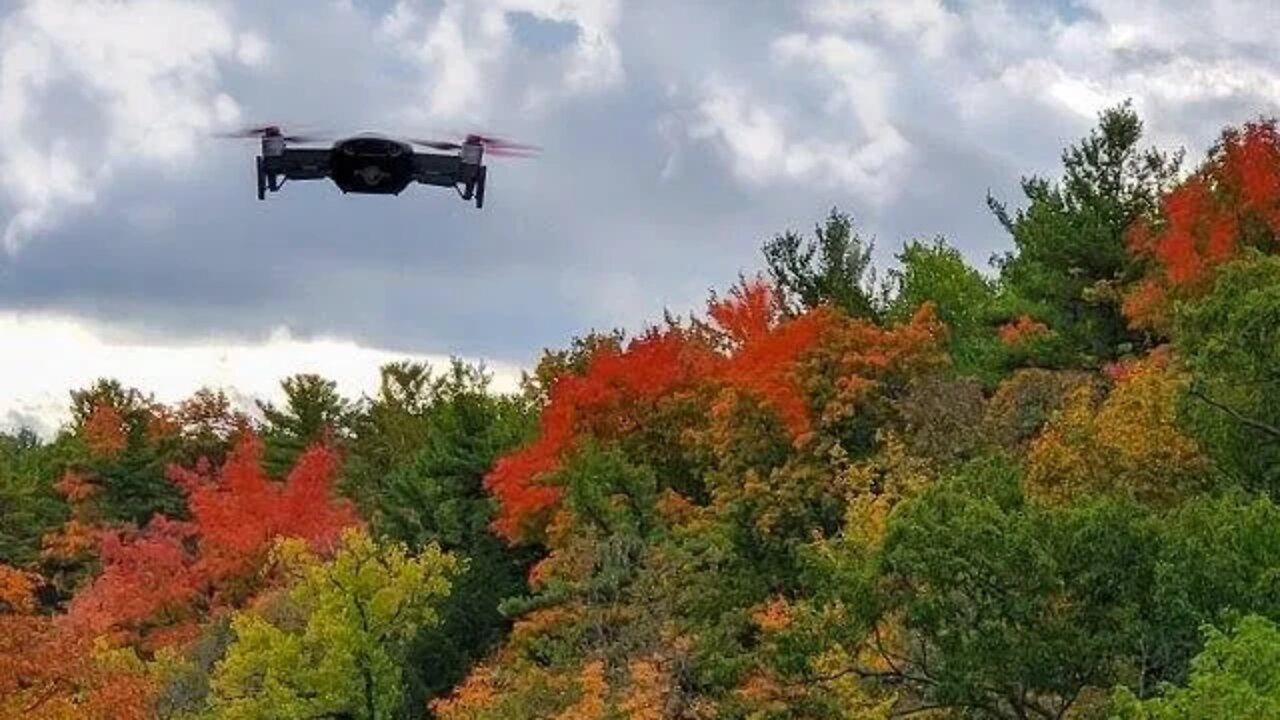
1043, 491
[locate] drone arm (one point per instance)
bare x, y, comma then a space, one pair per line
300, 164
440, 170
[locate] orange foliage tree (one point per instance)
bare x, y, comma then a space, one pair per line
1021, 330
50, 672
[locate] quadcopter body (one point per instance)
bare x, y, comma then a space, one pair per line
375, 164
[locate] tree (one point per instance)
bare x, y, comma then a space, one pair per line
1020, 609
937, 273
313, 412
573, 360
1231, 203
208, 427
938, 416
449, 434
1237, 675
30, 506
49, 673
334, 644
158, 582
1127, 445
1026, 400
1230, 342
386, 430
126, 442
1071, 256
834, 268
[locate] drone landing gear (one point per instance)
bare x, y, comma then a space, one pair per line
267, 181
474, 189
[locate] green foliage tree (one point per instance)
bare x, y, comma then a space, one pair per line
1070, 255
313, 411
29, 504
334, 646
1218, 557
1237, 675
387, 430
117, 437
432, 447
965, 300
1230, 341
1020, 609
835, 267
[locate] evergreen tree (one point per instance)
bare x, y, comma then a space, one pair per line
833, 268
1071, 256
313, 412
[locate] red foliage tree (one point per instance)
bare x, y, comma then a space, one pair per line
606, 400
1232, 201
171, 572
747, 346
765, 349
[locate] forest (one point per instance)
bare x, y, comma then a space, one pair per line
1038, 490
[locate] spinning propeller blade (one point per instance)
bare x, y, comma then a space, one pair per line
436, 144
494, 146
504, 152
257, 131
496, 143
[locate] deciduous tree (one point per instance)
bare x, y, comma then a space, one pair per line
335, 643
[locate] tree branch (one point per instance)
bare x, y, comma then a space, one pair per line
1236, 415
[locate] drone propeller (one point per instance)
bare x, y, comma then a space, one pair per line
496, 143
266, 131
494, 146
436, 144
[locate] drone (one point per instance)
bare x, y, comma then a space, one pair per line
375, 164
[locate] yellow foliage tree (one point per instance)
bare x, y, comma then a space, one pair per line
1127, 445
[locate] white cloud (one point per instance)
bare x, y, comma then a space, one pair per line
1048, 82
927, 24
252, 49
467, 55
145, 75
877, 68
45, 357
763, 151
855, 146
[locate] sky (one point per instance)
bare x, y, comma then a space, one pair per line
677, 138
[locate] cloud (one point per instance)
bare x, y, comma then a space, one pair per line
678, 137
926, 24
86, 87
469, 58
58, 354
763, 151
